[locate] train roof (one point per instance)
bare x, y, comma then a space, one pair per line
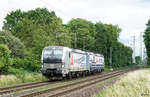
55, 47
90, 53
73, 50
100, 55
78, 51
96, 54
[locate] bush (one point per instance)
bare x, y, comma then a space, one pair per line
18, 63
31, 63
19, 73
6, 80
26, 76
5, 60
15, 71
21, 77
14, 44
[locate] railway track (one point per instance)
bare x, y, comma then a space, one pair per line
53, 91
19, 87
75, 88
62, 90
9, 89
86, 84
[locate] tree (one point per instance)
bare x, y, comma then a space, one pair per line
12, 19
106, 39
33, 24
5, 58
138, 59
14, 44
85, 33
146, 41
36, 29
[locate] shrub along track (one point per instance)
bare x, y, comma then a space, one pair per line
62, 90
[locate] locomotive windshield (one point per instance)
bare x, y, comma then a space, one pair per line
52, 55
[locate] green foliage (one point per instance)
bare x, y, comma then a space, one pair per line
12, 19
138, 59
36, 29
85, 33
15, 71
17, 76
5, 60
13, 43
147, 41
34, 25
107, 39
39, 28
25, 76
100, 38
18, 63
31, 63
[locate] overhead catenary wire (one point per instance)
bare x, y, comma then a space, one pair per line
54, 8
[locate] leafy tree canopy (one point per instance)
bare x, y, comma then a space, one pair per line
14, 44
138, 59
147, 40
5, 60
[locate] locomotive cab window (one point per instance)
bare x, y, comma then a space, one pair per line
52, 55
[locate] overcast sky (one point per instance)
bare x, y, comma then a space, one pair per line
130, 15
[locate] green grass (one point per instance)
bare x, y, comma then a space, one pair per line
18, 76
106, 81
134, 84
146, 66
6, 80
119, 68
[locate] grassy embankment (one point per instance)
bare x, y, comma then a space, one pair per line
119, 68
20, 76
17, 76
134, 84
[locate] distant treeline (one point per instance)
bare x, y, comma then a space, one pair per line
25, 34
147, 41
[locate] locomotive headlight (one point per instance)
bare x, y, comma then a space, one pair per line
63, 65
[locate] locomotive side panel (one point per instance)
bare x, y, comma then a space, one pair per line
102, 62
58, 61
66, 63
77, 61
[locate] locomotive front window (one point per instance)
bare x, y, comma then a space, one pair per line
52, 55
58, 54
47, 53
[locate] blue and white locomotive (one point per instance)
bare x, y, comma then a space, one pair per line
60, 61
